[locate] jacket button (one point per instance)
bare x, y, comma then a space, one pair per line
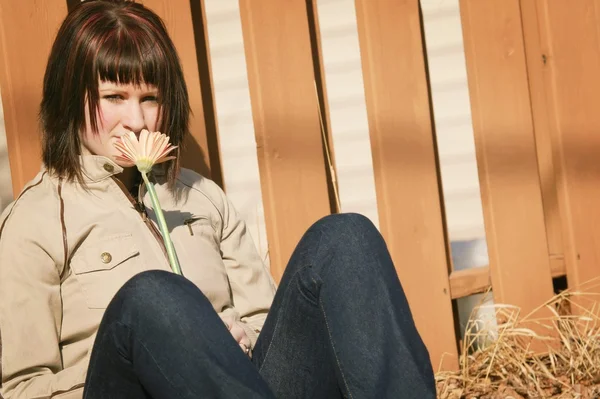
106, 257
109, 168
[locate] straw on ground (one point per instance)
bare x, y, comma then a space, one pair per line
507, 367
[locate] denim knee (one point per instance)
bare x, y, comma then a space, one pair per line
349, 232
148, 283
153, 296
346, 224
352, 238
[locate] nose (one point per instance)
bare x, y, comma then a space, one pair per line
133, 118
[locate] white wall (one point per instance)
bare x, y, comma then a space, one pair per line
347, 107
456, 146
234, 116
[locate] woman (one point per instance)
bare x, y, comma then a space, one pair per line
88, 307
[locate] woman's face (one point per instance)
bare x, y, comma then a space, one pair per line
122, 108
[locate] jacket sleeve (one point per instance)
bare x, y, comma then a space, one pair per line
252, 286
31, 309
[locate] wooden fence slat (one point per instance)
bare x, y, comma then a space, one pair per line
469, 281
563, 40
536, 62
477, 280
506, 152
23, 58
405, 167
286, 121
186, 24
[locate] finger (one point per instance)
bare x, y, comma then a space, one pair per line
237, 332
245, 341
246, 350
240, 335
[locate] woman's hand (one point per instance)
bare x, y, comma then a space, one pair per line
238, 333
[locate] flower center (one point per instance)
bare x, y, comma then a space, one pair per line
144, 164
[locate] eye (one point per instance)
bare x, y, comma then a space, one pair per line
153, 99
113, 97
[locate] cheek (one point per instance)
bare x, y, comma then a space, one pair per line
107, 118
152, 119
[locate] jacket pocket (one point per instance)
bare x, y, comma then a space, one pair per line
102, 267
201, 227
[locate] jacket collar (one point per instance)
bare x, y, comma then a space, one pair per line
96, 168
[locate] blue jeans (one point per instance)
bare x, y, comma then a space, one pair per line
339, 327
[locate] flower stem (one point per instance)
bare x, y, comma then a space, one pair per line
162, 224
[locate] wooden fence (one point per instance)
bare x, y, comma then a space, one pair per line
537, 133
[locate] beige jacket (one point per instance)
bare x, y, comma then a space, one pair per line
65, 251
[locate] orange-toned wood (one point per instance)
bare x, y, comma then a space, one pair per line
286, 121
405, 169
569, 43
558, 267
477, 280
186, 24
27, 30
506, 152
536, 62
469, 281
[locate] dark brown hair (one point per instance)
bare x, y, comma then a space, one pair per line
117, 41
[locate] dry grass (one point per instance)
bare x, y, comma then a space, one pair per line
566, 329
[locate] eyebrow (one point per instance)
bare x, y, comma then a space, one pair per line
119, 90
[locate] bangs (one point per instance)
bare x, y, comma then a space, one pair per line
127, 57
